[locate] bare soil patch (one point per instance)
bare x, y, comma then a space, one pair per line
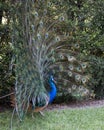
77, 104
70, 105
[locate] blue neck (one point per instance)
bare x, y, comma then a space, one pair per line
53, 91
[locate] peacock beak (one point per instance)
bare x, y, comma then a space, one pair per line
54, 81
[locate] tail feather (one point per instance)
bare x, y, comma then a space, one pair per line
41, 47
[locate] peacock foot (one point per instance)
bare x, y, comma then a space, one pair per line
33, 116
41, 113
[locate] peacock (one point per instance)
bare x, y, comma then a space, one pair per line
39, 106
42, 54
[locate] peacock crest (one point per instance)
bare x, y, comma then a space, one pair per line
40, 49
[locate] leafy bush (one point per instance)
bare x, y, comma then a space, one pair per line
6, 80
97, 72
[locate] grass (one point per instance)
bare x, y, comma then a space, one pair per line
68, 119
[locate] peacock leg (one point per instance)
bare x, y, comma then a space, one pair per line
33, 115
41, 113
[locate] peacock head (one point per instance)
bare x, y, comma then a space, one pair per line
52, 80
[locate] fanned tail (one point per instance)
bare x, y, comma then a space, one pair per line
40, 49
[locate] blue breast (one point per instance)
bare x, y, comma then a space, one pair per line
53, 91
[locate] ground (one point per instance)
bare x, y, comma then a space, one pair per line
83, 115
77, 104
74, 104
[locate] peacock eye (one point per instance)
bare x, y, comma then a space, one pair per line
79, 69
80, 87
41, 23
83, 80
70, 58
71, 67
49, 4
39, 36
77, 77
46, 35
36, 14
61, 56
74, 87
86, 91
83, 65
70, 73
45, 11
61, 18
77, 45
57, 39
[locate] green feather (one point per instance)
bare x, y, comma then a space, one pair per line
42, 47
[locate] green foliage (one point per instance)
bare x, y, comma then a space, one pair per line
97, 71
94, 46
6, 79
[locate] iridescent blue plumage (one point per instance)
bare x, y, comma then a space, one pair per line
53, 90
49, 98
